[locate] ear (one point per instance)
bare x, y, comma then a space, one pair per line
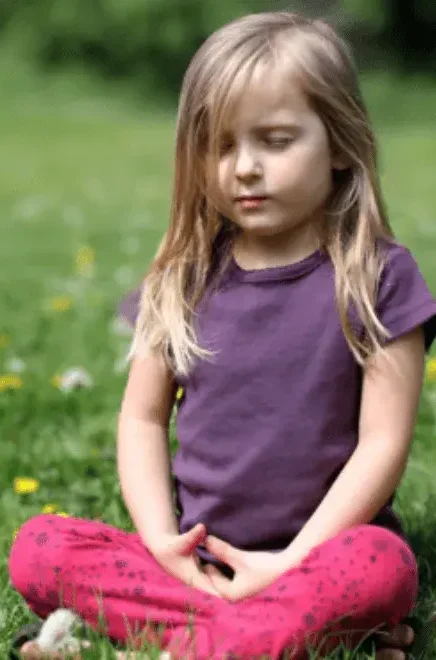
340, 162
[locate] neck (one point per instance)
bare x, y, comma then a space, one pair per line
253, 252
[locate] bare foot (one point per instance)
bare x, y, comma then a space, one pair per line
400, 636
32, 651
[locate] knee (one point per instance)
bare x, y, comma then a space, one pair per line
391, 567
33, 550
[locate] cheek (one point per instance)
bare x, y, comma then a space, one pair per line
224, 175
310, 171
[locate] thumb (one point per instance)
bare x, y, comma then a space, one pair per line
224, 551
189, 540
221, 584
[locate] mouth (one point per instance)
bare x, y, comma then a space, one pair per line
251, 201
243, 198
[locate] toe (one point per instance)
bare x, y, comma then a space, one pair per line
390, 654
30, 650
400, 635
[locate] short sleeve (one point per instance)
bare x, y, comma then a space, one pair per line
404, 299
128, 307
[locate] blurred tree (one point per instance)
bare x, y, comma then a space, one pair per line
410, 28
154, 40
404, 30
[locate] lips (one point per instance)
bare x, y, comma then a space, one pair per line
250, 202
251, 198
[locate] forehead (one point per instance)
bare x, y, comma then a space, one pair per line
268, 95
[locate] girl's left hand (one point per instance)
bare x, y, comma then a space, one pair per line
254, 571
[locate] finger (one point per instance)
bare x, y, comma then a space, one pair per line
399, 635
219, 582
198, 580
191, 539
209, 569
389, 654
232, 590
223, 551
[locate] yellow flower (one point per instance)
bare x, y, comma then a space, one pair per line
179, 394
56, 380
49, 508
61, 303
63, 514
10, 382
25, 485
430, 370
14, 534
85, 259
4, 341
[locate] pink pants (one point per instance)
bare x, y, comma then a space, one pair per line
366, 576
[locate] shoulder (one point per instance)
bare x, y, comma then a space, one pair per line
397, 258
128, 307
404, 299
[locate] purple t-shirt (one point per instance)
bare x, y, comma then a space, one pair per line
265, 427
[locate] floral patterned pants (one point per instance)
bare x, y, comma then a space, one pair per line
364, 578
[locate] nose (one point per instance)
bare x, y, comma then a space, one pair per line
247, 164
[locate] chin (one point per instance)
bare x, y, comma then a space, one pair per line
261, 229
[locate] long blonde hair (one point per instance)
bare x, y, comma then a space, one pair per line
178, 277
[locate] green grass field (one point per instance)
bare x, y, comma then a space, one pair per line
85, 165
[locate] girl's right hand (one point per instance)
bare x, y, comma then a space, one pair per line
176, 554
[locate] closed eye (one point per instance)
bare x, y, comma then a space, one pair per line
225, 147
278, 142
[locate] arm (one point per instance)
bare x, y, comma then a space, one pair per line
143, 454
389, 405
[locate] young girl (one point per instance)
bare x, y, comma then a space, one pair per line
297, 327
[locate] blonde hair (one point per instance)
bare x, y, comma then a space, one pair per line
179, 275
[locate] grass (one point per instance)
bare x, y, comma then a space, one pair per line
86, 165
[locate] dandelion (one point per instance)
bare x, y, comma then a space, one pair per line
10, 382
56, 380
49, 508
73, 216
119, 326
179, 394
120, 365
61, 303
431, 369
15, 364
25, 485
124, 276
85, 259
4, 341
130, 245
72, 379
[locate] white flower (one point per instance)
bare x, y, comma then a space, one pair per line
120, 327
124, 276
75, 378
130, 244
32, 207
15, 364
56, 632
121, 365
73, 216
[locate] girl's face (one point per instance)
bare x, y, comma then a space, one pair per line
274, 148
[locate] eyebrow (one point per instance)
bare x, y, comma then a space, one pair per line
275, 126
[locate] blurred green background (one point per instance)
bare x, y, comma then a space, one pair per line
153, 40
88, 100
